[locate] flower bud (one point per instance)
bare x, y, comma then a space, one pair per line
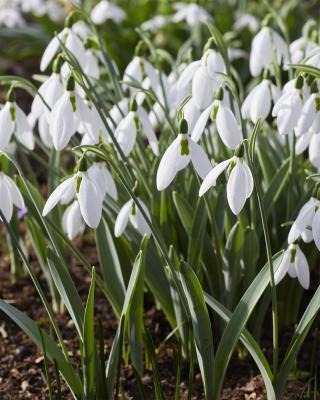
239, 151
299, 82
83, 164
183, 126
70, 84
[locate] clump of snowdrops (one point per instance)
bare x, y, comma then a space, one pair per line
198, 188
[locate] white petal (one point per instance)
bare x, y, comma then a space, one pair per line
122, 219
249, 179
6, 205
308, 115
201, 124
199, 159
23, 131
303, 142
148, 130
56, 195
211, 179
187, 75
126, 133
283, 267
303, 220
302, 269
261, 104
228, 127
51, 50
172, 161
138, 220
203, 88
236, 188
316, 229
6, 125
90, 201
15, 193
314, 150
72, 220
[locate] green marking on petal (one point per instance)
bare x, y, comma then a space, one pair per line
78, 183
293, 255
13, 112
73, 103
133, 209
184, 150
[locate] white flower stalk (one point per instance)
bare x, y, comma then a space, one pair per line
178, 155
72, 42
267, 47
226, 123
295, 264
258, 102
66, 116
72, 221
105, 10
130, 212
87, 192
104, 180
10, 196
288, 108
13, 121
240, 182
192, 14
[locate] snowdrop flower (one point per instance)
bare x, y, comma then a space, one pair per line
86, 191
191, 13
14, 121
206, 80
295, 264
72, 42
258, 102
11, 17
105, 10
309, 111
155, 23
240, 181
130, 212
265, 45
104, 180
307, 223
246, 21
301, 48
226, 123
10, 196
288, 108
72, 221
139, 70
178, 155
90, 122
127, 129
66, 114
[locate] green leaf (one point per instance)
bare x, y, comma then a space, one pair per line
249, 342
308, 69
115, 353
238, 321
184, 211
201, 326
197, 235
298, 338
155, 369
52, 350
67, 290
88, 340
110, 267
253, 138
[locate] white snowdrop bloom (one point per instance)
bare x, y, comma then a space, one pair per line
88, 195
295, 264
104, 180
187, 74
206, 80
105, 10
72, 42
314, 150
300, 49
226, 123
10, 196
313, 58
258, 102
191, 13
265, 45
66, 115
307, 223
130, 212
191, 114
72, 221
44, 131
309, 112
288, 108
137, 71
126, 132
13, 121
91, 67
11, 17
246, 21
117, 112
240, 182
178, 155
90, 123
154, 24
50, 91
